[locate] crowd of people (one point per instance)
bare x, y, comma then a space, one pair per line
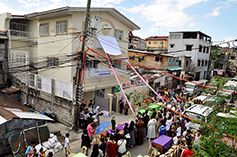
146, 126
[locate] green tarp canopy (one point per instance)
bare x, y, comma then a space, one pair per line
156, 106
143, 111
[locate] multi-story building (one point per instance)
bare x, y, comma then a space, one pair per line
3, 57
136, 42
148, 61
194, 44
157, 43
47, 42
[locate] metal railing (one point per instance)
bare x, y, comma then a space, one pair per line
19, 33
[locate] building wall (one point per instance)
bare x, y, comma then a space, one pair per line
157, 44
180, 44
63, 108
149, 60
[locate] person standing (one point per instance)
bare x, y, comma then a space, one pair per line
30, 149
111, 147
146, 120
139, 125
122, 146
67, 145
126, 109
97, 112
85, 141
162, 129
96, 152
187, 125
91, 131
133, 130
91, 103
102, 145
197, 138
121, 105
151, 133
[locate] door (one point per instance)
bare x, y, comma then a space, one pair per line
102, 102
114, 103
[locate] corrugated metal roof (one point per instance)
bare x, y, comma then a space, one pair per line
2, 120
30, 115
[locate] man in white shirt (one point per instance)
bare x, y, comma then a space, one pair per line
179, 130
168, 124
187, 125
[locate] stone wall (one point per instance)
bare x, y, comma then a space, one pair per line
62, 108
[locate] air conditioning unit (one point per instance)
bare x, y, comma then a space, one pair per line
33, 43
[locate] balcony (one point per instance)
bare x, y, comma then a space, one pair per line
19, 33
19, 29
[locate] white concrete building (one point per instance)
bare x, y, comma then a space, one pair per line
195, 44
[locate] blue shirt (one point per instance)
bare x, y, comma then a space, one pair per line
162, 130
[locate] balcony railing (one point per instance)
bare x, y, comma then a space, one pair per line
20, 33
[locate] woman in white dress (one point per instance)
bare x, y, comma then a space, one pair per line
151, 132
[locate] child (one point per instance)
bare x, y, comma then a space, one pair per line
66, 145
42, 152
30, 151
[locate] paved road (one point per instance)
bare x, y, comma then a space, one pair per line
76, 142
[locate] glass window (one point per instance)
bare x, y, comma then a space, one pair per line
172, 45
44, 29
202, 62
62, 27
100, 92
149, 42
161, 42
204, 49
1, 65
199, 62
118, 35
200, 48
186, 63
207, 50
155, 42
188, 47
52, 62
205, 62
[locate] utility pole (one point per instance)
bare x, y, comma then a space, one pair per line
80, 56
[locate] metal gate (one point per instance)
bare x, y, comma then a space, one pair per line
102, 102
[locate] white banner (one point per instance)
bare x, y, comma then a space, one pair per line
99, 72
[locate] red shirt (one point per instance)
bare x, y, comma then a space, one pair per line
187, 153
112, 149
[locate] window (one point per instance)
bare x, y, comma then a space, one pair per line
52, 62
32, 80
155, 42
161, 42
207, 49
44, 29
204, 49
189, 47
62, 27
118, 35
100, 92
149, 42
186, 63
175, 36
199, 62
200, 48
1, 65
39, 83
180, 62
116, 64
171, 45
202, 62
33, 43
205, 62
91, 63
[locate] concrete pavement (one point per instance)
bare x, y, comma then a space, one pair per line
75, 137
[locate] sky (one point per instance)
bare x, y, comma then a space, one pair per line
216, 18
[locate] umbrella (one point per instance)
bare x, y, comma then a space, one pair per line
102, 127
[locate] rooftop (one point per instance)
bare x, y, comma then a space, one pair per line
157, 37
200, 109
68, 11
191, 32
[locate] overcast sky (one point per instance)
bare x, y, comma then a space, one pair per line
216, 18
